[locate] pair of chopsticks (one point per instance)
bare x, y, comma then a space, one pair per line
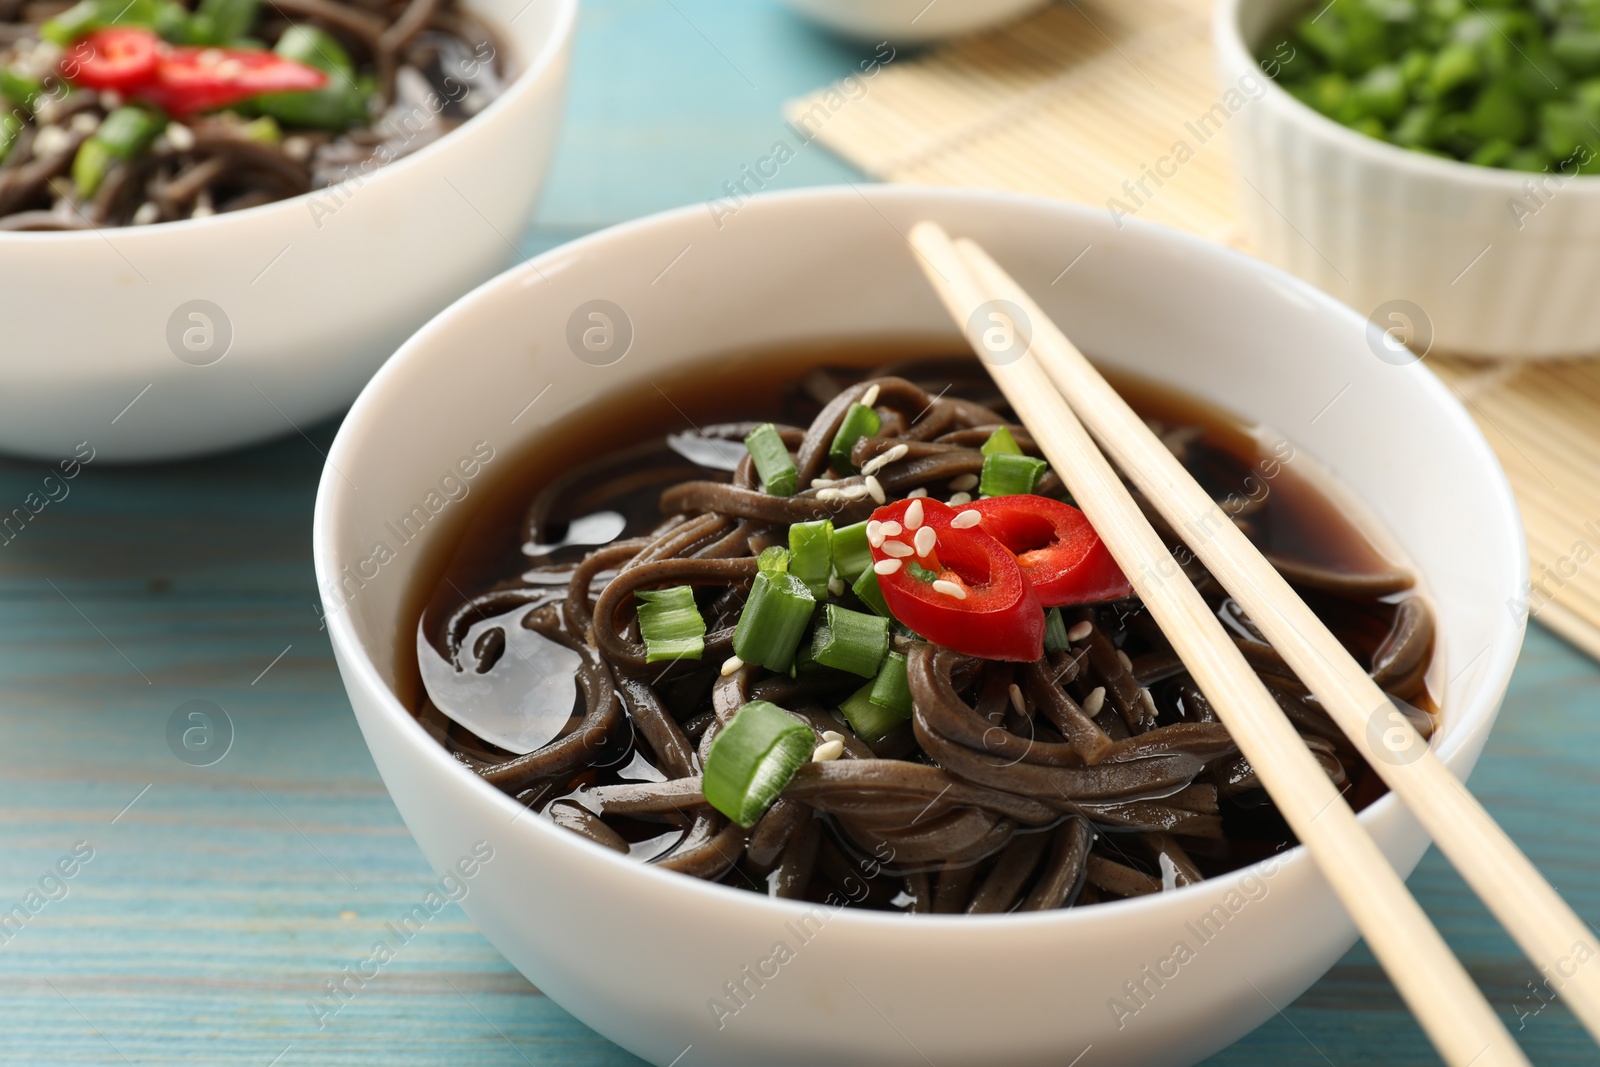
1052, 387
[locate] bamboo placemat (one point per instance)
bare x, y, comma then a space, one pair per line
1076, 100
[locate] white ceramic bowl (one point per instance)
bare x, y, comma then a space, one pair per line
1477, 260
637, 953
911, 22
306, 296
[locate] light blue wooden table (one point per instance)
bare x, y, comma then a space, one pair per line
217, 901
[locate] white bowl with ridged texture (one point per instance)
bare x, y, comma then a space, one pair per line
1442, 254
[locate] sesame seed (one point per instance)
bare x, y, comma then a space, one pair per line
1148, 701
887, 566
949, 589
179, 136
891, 528
875, 488
870, 397
1095, 700
875, 533
1122, 657
964, 481
827, 752
897, 548
966, 520
832, 735
825, 483
917, 494
926, 538
883, 459
1080, 630
1016, 699
731, 664
836, 585
147, 213
914, 515
828, 496
852, 492
958, 499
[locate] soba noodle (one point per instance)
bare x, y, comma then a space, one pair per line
1097, 772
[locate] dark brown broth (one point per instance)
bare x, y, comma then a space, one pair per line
1296, 520
1299, 520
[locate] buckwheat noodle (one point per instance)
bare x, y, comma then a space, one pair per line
1096, 773
434, 63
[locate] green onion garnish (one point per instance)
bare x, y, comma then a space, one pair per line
1055, 632
890, 689
671, 624
1005, 474
1001, 443
773, 462
851, 641
123, 134
753, 759
773, 558
773, 621
870, 593
859, 421
921, 573
811, 555
851, 553
871, 722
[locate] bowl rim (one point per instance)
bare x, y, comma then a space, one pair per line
544, 57
1227, 38
1480, 714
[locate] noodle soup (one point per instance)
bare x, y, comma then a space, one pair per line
922, 777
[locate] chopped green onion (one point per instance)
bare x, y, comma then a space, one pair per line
225, 21
340, 104
1055, 632
1005, 474
773, 558
10, 126
311, 45
772, 459
167, 18
851, 641
77, 20
773, 621
753, 759
811, 555
871, 594
122, 135
891, 689
263, 130
1001, 443
921, 573
851, 553
670, 623
859, 421
883, 703
18, 88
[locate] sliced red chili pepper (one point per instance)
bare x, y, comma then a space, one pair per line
120, 58
967, 593
200, 79
1062, 555
181, 81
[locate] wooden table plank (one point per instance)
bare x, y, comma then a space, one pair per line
217, 904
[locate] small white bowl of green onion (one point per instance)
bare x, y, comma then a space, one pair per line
1429, 162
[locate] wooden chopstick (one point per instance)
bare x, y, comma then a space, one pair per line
1432, 981
1559, 943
